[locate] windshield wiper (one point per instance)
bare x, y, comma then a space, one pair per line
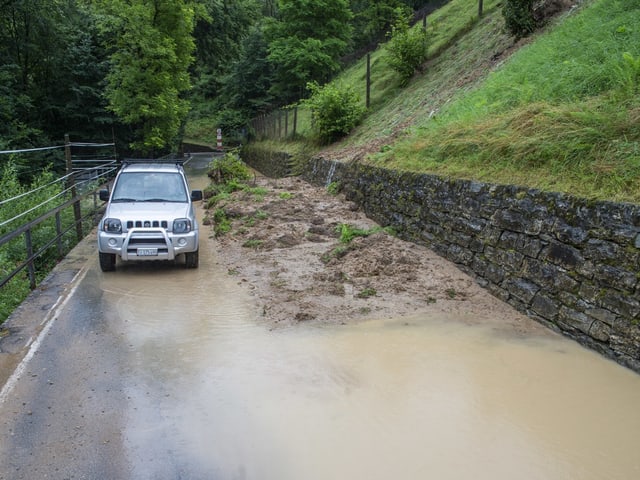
123, 199
155, 200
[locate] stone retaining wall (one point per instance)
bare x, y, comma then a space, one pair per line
567, 262
270, 163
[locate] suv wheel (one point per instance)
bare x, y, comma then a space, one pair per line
107, 261
191, 259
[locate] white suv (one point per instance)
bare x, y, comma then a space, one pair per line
149, 215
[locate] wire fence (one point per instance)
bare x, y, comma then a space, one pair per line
282, 124
46, 225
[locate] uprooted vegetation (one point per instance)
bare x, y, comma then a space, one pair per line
308, 254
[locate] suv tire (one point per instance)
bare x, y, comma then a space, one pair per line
191, 259
107, 261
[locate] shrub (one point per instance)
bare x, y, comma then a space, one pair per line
222, 224
407, 49
333, 188
44, 194
518, 17
335, 110
228, 168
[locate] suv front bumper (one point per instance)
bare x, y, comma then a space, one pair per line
147, 244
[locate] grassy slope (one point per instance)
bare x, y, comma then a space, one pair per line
562, 113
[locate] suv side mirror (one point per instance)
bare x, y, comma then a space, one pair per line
196, 195
104, 195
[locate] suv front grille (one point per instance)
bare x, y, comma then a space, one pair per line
147, 224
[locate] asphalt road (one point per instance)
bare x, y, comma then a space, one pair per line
60, 407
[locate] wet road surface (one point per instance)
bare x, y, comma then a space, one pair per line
159, 372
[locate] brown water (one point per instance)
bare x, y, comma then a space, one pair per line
215, 394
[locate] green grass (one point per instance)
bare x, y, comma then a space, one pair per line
222, 224
561, 115
589, 149
349, 232
253, 243
366, 293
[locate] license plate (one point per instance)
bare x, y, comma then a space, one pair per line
147, 252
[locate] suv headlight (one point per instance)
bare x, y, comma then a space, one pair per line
112, 225
182, 225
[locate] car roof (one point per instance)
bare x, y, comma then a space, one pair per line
151, 167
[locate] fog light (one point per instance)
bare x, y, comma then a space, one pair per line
112, 242
182, 242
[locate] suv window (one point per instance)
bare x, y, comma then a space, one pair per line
149, 187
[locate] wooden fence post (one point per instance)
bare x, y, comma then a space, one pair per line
286, 123
279, 124
295, 120
368, 101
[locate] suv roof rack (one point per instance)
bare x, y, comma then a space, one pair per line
165, 161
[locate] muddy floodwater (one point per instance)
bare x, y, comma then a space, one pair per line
213, 393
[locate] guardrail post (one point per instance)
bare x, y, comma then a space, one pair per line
30, 267
59, 235
72, 185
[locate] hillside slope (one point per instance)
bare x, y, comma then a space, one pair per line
558, 111
561, 114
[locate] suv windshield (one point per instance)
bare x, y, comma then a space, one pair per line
149, 187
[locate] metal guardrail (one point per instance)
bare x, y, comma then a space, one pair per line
84, 177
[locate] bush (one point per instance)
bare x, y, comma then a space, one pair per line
228, 168
407, 49
518, 16
335, 110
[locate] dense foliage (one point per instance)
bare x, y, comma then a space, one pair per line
51, 70
518, 16
306, 42
132, 70
150, 45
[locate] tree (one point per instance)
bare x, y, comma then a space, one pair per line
52, 72
151, 45
306, 42
373, 19
218, 37
246, 89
